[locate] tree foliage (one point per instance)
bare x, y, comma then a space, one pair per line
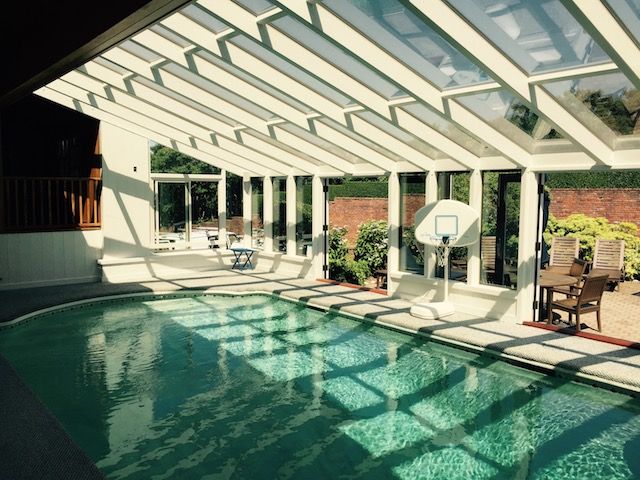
372, 244
341, 267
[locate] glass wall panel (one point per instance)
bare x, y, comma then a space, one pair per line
455, 185
358, 230
411, 40
279, 214
235, 219
171, 208
500, 228
412, 198
204, 213
257, 213
607, 104
167, 160
628, 12
303, 216
539, 35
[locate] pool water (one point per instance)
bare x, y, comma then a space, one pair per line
259, 388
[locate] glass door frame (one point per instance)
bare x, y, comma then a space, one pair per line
185, 180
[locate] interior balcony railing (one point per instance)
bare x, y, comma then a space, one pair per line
31, 204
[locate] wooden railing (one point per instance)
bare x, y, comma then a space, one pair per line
49, 203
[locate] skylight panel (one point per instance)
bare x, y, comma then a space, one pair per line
140, 51
539, 35
403, 34
510, 116
449, 129
291, 70
604, 103
337, 57
203, 18
257, 7
628, 12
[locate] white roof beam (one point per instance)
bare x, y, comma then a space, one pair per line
95, 112
611, 35
125, 99
484, 53
373, 56
85, 96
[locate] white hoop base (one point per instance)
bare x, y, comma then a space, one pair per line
432, 310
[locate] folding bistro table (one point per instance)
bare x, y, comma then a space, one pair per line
239, 253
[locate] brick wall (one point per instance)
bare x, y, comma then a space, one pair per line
350, 212
615, 204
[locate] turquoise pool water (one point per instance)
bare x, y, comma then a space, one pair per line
258, 388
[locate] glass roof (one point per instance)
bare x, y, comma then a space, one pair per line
407, 37
449, 129
291, 70
257, 7
198, 15
605, 103
327, 50
504, 110
628, 12
539, 35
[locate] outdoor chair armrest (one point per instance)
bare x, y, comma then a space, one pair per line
567, 292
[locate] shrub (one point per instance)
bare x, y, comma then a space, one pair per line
588, 229
415, 248
341, 268
372, 244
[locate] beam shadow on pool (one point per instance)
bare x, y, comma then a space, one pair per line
424, 410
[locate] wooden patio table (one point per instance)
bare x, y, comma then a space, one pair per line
549, 281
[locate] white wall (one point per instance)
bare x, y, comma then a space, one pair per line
126, 194
48, 258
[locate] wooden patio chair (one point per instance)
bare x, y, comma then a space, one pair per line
608, 258
488, 256
563, 251
577, 270
585, 299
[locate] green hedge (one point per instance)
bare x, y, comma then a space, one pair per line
615, 179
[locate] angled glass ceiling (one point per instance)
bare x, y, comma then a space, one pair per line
505, 112
449, 129
539, 35
257, 7
200, 16
628, 12
398, 30
327, 50
607, 103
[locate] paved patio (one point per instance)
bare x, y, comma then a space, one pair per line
620, 313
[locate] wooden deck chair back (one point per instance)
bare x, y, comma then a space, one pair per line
488, 253
608, 258
563, 251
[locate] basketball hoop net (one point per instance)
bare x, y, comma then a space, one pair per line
442, 250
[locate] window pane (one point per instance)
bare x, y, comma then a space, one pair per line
454, 185
168, 160
172, 216
500, 228
412, 198
257, 213
204, 214
279, 214
303, 216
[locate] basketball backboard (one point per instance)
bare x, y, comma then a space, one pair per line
450, 219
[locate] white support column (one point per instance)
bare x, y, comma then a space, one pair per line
393, 215
473, 251
291, 215
222, 210
527, 245
431, 195
317, 221
246, 211
267, 216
